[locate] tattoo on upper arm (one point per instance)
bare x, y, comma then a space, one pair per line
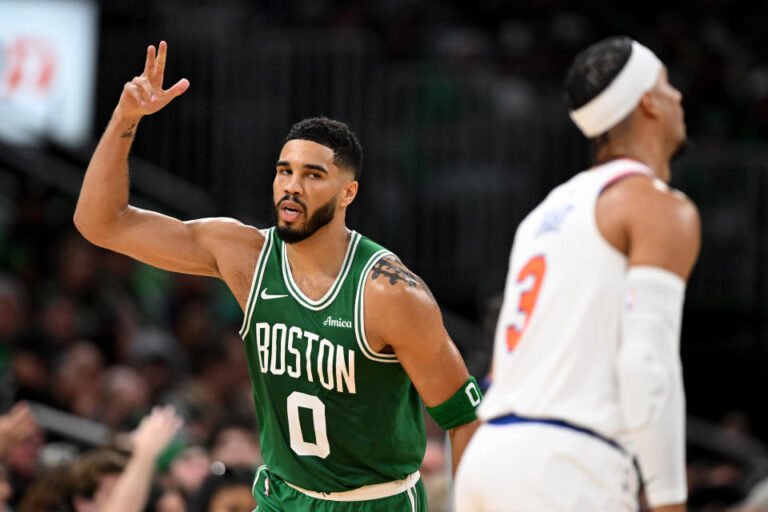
394, 271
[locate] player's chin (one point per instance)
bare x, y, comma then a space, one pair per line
292, 226
290, 234
682, 147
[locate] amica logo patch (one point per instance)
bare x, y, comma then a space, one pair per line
337, 322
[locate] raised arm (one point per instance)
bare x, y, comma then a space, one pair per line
103, 214
153, 435
402, 314
15, 426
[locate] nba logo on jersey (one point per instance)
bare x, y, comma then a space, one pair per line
266, 487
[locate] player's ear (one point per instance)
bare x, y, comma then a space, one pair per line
348, 193
649, 104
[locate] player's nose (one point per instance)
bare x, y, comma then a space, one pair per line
293, 185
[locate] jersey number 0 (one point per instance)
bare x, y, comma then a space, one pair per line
318, 448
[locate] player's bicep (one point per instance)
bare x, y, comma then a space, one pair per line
431, 359
164, 242
666, 234
403, 314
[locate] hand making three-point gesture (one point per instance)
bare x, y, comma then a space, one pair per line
144, 94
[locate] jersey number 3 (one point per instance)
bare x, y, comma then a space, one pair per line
528, 282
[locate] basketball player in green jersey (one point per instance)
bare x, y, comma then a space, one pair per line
343, 341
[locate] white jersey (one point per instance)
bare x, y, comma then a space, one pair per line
559, 328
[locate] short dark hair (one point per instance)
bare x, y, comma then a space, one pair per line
333, 134
86, 473
594, 69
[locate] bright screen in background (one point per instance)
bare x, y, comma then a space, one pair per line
47, 70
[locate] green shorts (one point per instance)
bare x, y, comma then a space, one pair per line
274, 495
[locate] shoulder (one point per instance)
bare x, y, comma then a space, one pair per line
662, 225
220, 232
390, 282
235, 248
398, 297
644, 199
649, 201
643, 187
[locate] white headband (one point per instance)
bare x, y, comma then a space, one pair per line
605, 110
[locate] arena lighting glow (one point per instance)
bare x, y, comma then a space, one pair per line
612, 105
47, 70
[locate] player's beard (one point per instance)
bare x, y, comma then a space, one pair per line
322, 216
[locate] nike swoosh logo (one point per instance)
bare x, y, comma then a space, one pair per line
269, 296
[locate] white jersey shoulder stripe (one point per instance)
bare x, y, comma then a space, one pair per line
258, 275
362, 341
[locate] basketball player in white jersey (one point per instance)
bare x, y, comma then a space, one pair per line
586, 370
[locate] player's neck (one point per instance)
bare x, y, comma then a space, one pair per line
323, 252
643, 151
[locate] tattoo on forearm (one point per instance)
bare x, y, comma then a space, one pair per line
128, 133
395, 272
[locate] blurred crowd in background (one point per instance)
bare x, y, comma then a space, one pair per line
99, 336
716, 50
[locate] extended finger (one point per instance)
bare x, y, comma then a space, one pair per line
160, 64
176, 89
149, 64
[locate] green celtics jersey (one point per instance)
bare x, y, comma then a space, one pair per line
334, 415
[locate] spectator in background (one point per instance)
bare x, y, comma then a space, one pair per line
22, 453
15, 427
211, 392
104, 481
93, 478
158, 359
131, 490
58, 320
225, 490
49, 491
31, 370
190, 312
188, 469
124, 398
167, 499
79, 377
236, 444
